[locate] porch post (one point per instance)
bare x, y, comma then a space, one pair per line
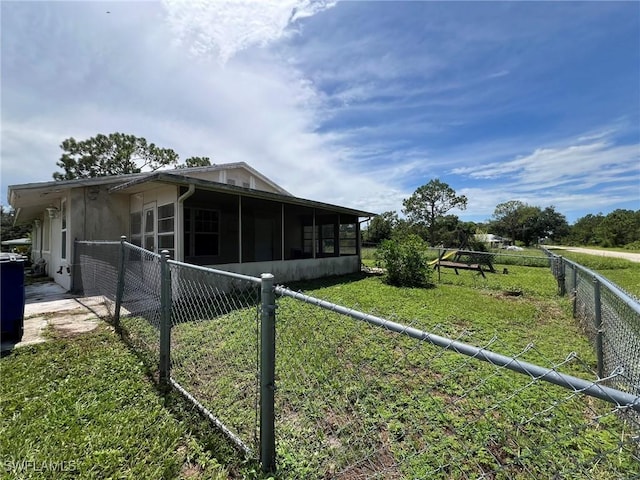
282, 235
239, 228
313, 230
336, 238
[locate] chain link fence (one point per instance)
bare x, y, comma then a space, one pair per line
324, 391
360, 396
196, 328
609, 316
95, 270
215, 346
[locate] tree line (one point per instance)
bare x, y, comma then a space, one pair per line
426, 211
426, 214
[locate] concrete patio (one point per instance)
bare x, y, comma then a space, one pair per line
48, 305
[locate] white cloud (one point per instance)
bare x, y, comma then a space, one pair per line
591, 173
228, 27
586, 164
353, 110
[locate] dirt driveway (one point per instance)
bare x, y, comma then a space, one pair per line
633, 257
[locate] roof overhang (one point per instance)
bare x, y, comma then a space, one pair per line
30, 199
146, 183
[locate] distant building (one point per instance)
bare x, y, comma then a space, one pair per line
491, 240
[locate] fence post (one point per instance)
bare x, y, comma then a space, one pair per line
562, 288
165, 319
598, 324
267, 374
120, 285
574, 279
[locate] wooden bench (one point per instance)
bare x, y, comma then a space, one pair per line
460, 266
470, 257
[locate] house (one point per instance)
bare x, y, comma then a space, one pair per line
491, 240
227, 216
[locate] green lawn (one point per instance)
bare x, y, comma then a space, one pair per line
352, 400
84, 407
624, 273
355, 401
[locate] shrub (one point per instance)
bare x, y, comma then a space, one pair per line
633, 245
406, 262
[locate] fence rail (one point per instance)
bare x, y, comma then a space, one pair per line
197, 327
325, 391
609, 316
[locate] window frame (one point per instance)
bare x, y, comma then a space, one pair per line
191, 232
349, 242
161, 234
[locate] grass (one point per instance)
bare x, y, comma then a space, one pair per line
84, 407
624, 273
356, 401
352, 400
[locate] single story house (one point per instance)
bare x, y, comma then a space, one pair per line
491, 240
227, 216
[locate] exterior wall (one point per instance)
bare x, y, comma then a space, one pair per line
293, 270
236, 176
58, 268
98, 215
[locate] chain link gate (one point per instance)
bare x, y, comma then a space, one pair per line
197, 328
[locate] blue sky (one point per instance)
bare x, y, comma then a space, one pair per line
355, 103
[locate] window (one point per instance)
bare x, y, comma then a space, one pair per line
348, 239
231, 181
166, 221
201, 232
149, 229
307, 240
135, 228
63, 230
327, 239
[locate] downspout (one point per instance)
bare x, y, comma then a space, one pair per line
180, 221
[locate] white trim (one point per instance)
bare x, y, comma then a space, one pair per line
64, 230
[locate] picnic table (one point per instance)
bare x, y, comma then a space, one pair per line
464, 260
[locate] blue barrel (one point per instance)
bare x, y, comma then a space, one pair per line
11, 296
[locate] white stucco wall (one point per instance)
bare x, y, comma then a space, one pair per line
293, 270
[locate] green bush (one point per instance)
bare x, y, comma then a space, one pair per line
406, 262
633, 245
